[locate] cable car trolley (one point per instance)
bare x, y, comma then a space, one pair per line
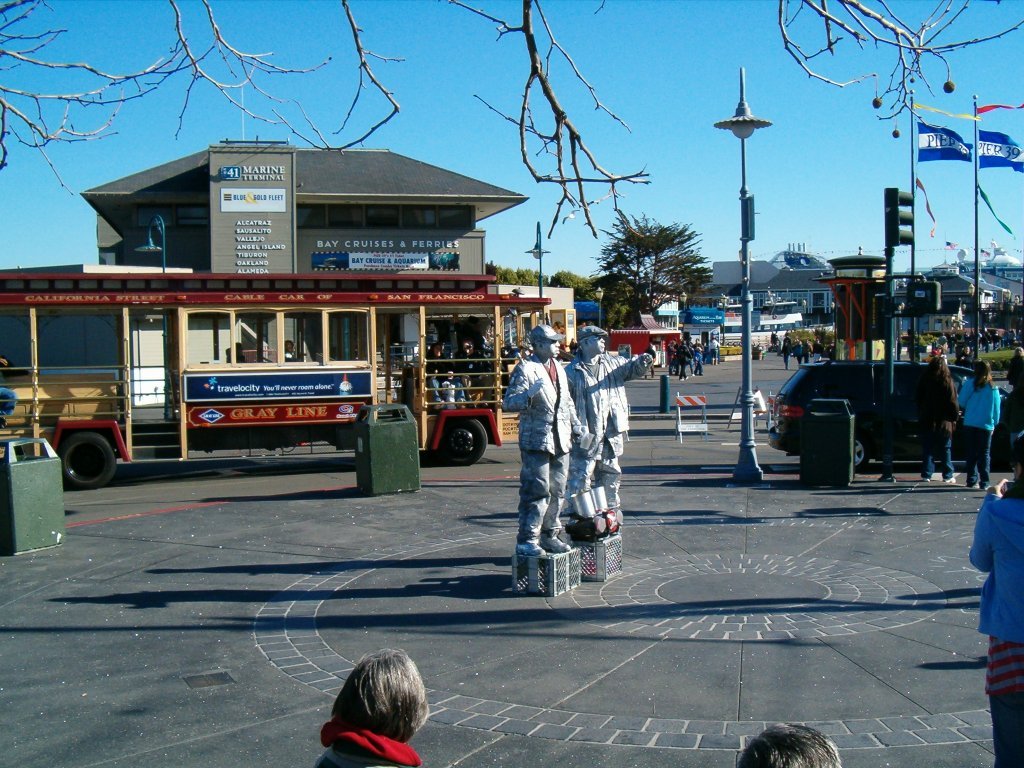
141, 365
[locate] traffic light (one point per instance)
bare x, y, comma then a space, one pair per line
899, 213
924, 297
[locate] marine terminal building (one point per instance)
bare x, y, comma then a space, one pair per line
269, 208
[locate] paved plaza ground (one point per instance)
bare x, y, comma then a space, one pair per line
205, 615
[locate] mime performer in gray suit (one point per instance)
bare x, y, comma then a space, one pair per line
597, 382
539, 392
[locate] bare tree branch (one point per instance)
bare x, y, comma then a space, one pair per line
552, 143
39, 119
916, 49
367, 71
569, 162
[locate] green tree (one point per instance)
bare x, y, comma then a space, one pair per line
510, 276
646, 264
582, 286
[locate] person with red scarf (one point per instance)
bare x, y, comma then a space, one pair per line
382, 704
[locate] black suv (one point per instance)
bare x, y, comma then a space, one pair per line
861, 382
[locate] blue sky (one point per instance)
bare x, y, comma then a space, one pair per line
669, 69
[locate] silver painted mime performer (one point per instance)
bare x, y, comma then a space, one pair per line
597, 382
539, 392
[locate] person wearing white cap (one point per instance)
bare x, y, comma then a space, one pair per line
597, 382
548, 424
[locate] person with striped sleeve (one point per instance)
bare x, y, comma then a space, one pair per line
998, 550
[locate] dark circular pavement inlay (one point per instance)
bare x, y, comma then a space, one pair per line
773, 597
731, 593
751, 597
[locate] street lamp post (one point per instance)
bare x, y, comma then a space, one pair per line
743, 124
975, 296
157, 222
538, 253
599, 293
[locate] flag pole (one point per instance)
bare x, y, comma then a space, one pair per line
977, 254
913, 183
912, 336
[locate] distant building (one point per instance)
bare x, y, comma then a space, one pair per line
796, 256
791, 275
270, 208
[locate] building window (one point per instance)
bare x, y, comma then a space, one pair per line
382, 216
310, 217
193, 216
144, 214
454, 217
345, 216
424, 216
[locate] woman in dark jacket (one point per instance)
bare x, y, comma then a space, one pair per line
1016, 367
1013, 410
937, 413
684, 357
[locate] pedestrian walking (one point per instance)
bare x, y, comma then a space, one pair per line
980, 402
998, 550
698, 359
937, 413
1016, 367
683, 355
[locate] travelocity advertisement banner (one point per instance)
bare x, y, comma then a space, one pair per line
299, 385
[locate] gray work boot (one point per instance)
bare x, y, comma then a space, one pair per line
552, 543
529, 548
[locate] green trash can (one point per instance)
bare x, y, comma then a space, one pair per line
826, 443
31, 496
387, 450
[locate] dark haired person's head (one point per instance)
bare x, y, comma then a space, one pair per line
1017, 452
384, 693
982, 374
790, 746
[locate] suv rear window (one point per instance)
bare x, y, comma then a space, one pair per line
792, 385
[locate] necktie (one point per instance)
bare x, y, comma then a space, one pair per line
551, 372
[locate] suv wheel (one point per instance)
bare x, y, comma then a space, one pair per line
861, 455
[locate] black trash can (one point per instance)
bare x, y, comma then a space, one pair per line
826, 443
387, 450
31, 496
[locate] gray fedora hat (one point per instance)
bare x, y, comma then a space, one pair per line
541, 333
589, 332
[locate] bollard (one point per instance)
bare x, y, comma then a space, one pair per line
666, 400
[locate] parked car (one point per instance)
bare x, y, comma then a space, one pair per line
861, 383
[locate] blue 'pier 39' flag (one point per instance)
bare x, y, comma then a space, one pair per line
934, 143
997, 150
